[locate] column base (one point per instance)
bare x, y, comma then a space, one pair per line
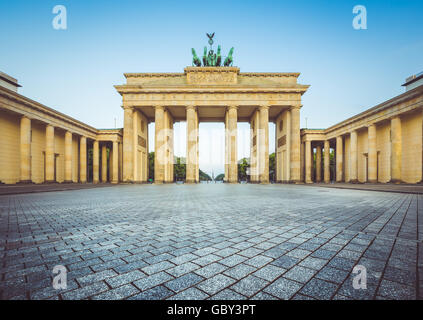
309, 181
191, 181
354, 181
371, 181
296, 181
68, 181
326, 181
82, 181
158, 182
96, 181
25, 182
50, 181
395, 181
115, 182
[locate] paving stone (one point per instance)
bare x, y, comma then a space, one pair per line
91, 278
333, 275
211, 270
283, 288
215, 284
313, 263
117, 293
182, 269
86, 291
319, 289
259, 261
190, 294
269, 272
125, 278
240, 271
263, 296
249, 285
205, 260
396, 291
156, 293
153, 280
154, 268
232, 260
300, 274
285, 262
183, 282
228, 294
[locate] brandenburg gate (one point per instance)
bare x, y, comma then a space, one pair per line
211, 94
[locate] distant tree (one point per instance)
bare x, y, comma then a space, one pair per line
151, 166
272, 166
243, 165
220, 177
179, 169
204, 176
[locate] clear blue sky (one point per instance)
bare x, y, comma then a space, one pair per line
74, 70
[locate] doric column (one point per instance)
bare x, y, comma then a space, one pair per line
396, 149
96, 162
68, 157
302, 162
353, 157
25, 150
254, 129
159, 145
115, 175
327, 162
339, 159
232, 112
263, 146
197, 162
50, 159
372, 154
318, 163
103, 163
295, 145
168, 148
110, 164
192, 133
128, 145
83, 160
226, 148
308, 162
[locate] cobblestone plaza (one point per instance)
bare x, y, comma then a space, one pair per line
211, 241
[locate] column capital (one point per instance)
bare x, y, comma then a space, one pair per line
190, 106
128, 108
264, 107
234, 106
159, 107
296, 106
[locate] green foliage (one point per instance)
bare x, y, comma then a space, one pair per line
204, 176
220, 177
179, 170
243, 165
272, 166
